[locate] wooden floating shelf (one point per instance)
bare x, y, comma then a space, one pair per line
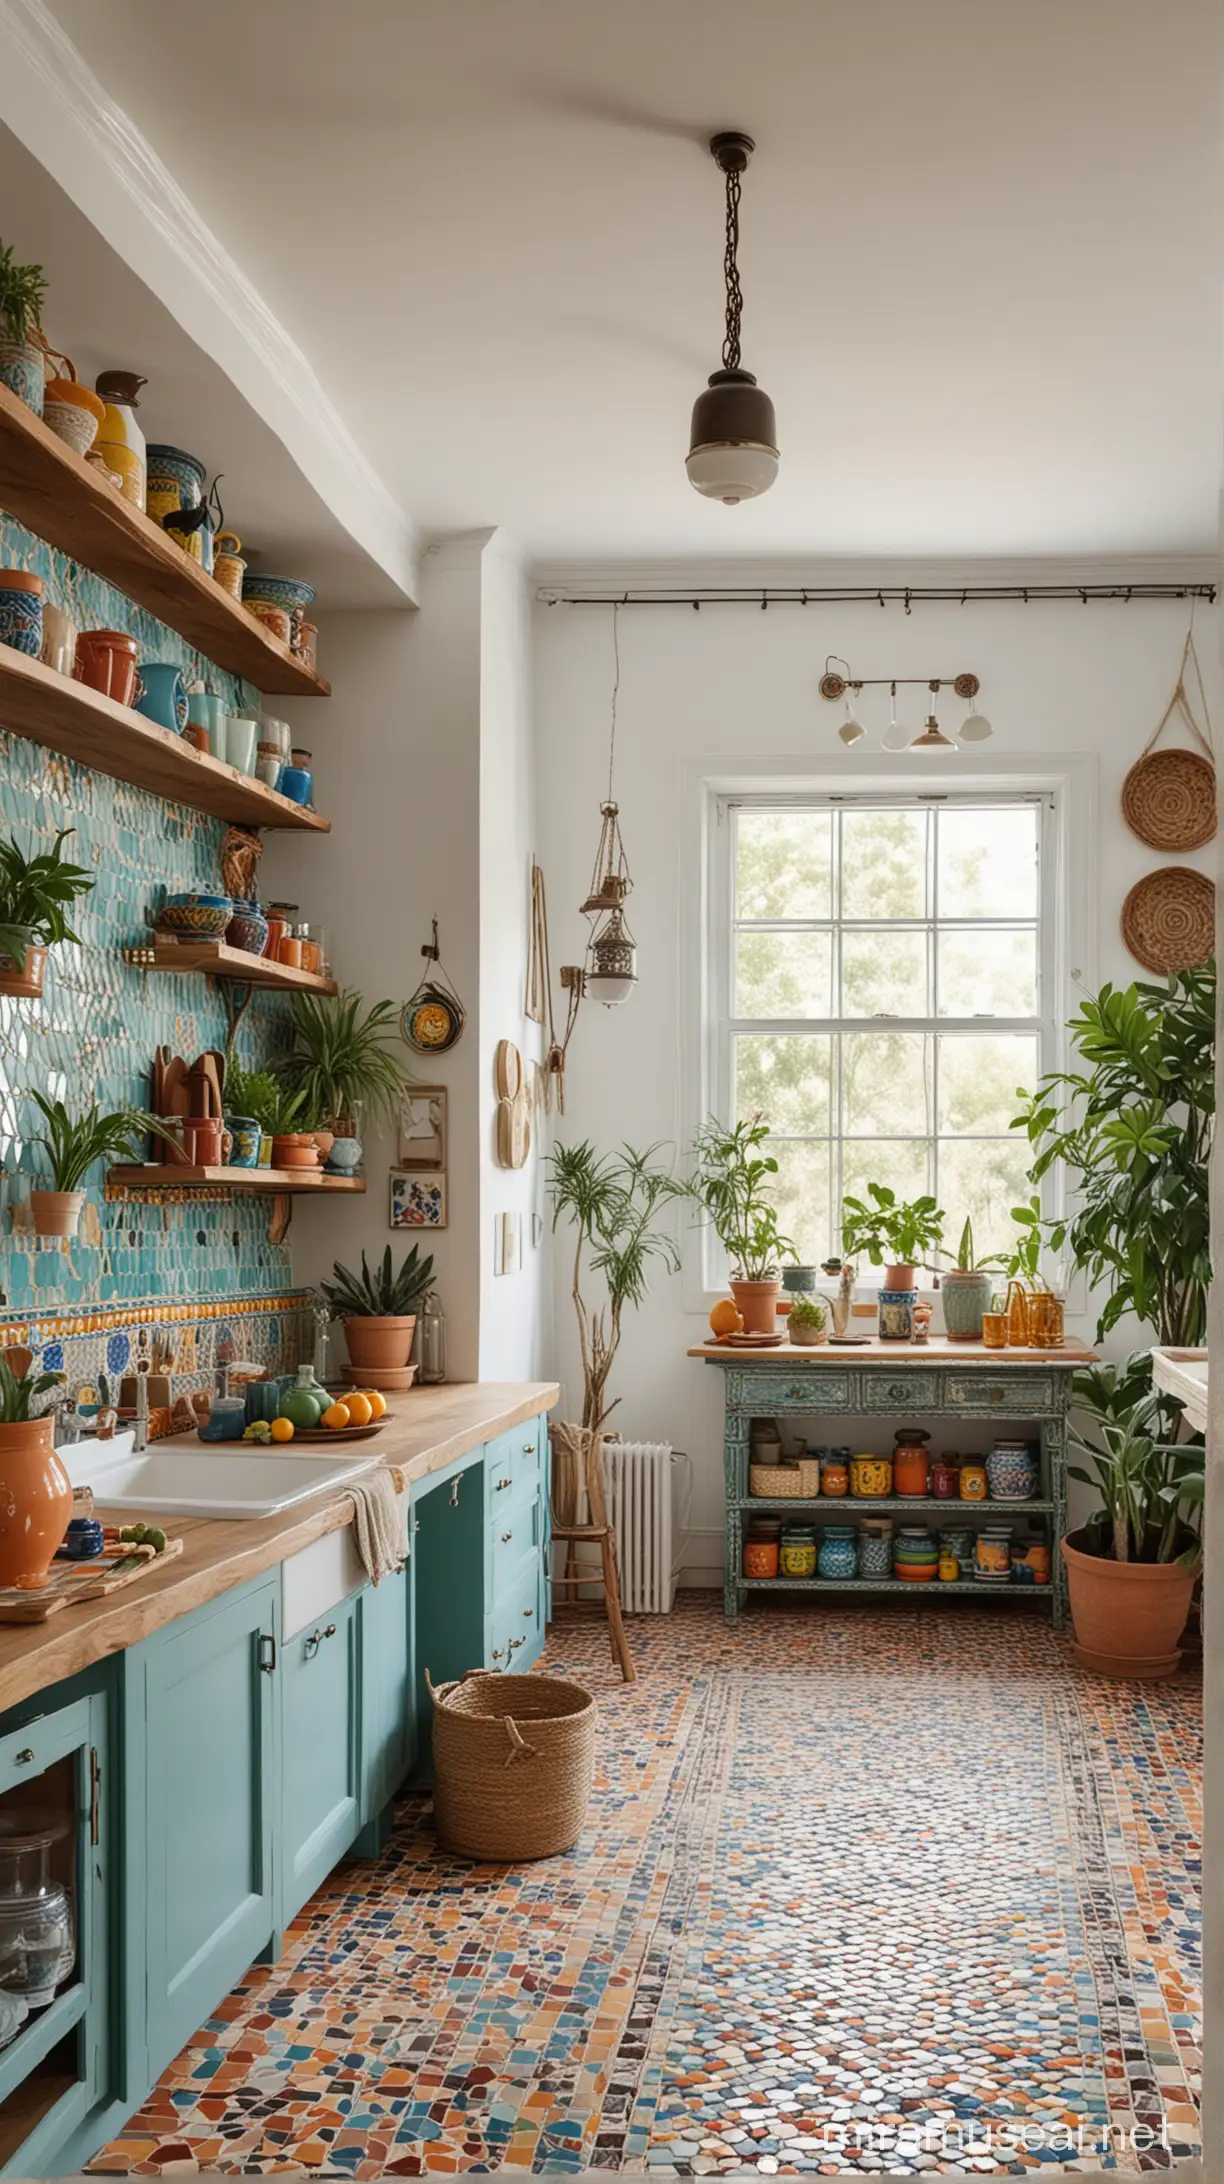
52, 490
176, 1175
80, 723
217, 961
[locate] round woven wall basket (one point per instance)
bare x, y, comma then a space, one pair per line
1168, 919
514, 1759
1169, 800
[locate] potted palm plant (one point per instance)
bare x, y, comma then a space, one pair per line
38, 1495
23, 369
378, 1310
72, 1145
1131, 1569
35, 893
342, 1057
615, 1204
895, 1235
731, 1183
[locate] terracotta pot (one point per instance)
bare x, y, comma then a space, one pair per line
380, 1345
27, 982
1128, 1616
106, 661
56, 1213
35, 1502
900, 1277
757, 1305
324, 1139
295, 1150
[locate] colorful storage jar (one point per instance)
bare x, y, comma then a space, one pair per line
248, 928
945, 1476
915, 1555
174, 480
835, 1474
871, 1477
911, 1463
838, 1555
120, 439
973, 1482
761, 1546
73, 412
949, 1568
1030, 1562
798, 1553
958, 1540
246, 1134
1011, 1471
897, 1314
992, 1555
875, 1547
21, 611
192, 529
229, 568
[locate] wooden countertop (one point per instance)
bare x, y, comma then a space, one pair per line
940, 1350
426, 1430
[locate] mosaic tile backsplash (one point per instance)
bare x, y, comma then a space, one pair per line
92, 1035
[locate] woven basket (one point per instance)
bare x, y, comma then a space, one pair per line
514, 1757
785, 1482
1169, 800
1168, 919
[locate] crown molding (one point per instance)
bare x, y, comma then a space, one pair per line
794, 572
57, 108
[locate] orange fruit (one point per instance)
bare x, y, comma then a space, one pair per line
282, 1429
336, 1416
377, 1402
358, 1408
724, 1319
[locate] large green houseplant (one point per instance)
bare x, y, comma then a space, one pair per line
732, 1182
342, 1056
616, 1205
35, 896
895, 1234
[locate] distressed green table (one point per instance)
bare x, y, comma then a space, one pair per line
898, 1383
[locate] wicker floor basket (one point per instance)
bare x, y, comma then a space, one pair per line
514, 1757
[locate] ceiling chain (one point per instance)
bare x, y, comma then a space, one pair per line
735, 294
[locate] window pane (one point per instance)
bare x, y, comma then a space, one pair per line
981, 1180
784, 974
978, 1080
884, 973
801, 1195
902, 1165
988, 863
985, 973
784, 864
884, 1085
884, 864
787, 1081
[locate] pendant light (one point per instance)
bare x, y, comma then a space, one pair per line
852, 730
733, 452
932, 737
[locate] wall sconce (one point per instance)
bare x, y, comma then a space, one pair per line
975, 728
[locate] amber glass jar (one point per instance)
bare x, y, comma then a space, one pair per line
1045, 1320
973, 1484
911, 1462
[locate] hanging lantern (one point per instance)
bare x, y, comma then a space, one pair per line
611, 965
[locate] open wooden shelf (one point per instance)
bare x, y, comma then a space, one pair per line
52, 490
216, 960
80, 723
176, 1175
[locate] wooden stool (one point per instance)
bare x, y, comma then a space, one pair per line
578, 1484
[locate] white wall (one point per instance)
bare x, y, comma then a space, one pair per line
715, 692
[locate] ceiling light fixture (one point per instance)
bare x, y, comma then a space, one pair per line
733, 452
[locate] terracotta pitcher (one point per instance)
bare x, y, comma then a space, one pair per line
35, 1503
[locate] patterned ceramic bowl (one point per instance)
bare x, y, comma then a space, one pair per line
277, 591
202, 917
69, 422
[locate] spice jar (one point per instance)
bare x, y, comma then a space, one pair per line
290, 948
911, 1462
835, 1475
798, 1552
871, 1477
280, 917
972, 1479
875, 1545
949, 1568
761, 1546
945, 1476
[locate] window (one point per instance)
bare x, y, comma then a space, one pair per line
879, 972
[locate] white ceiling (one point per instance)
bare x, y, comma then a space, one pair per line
982, 253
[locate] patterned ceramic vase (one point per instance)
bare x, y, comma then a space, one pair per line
875, 1547
174, 480
23, 370
248, 928
992, 1555
21, 611
798, 1557
897, 1314
1011, 1471
838, 1552
247, 1134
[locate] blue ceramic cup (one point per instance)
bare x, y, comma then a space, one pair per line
164, 695
208, 712
296, 784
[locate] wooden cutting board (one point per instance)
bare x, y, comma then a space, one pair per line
72, 1582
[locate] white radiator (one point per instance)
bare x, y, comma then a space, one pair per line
642, 1483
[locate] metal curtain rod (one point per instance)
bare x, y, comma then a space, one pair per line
906, 595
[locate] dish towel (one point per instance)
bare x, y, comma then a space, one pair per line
381, 1522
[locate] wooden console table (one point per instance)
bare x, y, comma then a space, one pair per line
898, 1383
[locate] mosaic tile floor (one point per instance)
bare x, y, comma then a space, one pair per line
884, 1890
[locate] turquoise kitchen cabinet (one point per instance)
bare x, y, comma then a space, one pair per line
210, 1806
388, 1715
320, 1769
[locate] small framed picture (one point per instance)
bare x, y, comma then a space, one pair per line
422, 1127
418, 1201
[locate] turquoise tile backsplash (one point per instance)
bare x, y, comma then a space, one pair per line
92, 1035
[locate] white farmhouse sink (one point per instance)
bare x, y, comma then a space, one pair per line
199, 1481
1183, 1374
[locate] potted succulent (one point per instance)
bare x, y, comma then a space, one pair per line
72, 1145
378, 1310
38, 1494
731, 1184
894, 1234
22, 361
808, 1322
965, 1289
342, 1057
291, 1126
252, 1099
35, 893
1131, 1570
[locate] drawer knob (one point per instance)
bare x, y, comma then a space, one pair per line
330, 1632
898, 1391
506, 1536
528, 1612
23, 1758
995, 1395
529, 1448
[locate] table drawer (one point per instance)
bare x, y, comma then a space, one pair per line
517, 1533
763, 1394
1006, 1394
900, 1388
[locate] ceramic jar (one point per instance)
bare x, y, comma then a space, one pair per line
798, 1554
871, 1477
945, 1476
120, 440
949, 1568
957, 1540
35, 1502
838, 1556
911, 1463
106, 661
965, 1295
248, 928
915, 1555
762, 1547
345, 1156
1011, 1471
59, 639
23, 370
192, 529
875, 1547
1030, 1562
276, 620
21, 611
992, 1555
174, 480
897, 1314
835, 1475
973, 1484
229, 568
73, 412
246, 1133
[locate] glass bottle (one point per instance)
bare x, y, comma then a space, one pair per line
37, 1945
431, 1340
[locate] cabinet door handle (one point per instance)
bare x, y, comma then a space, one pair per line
267, 1653
529, 1448
330, 1632
498, 1653
95, 1781
515, 1643
528, 1612
506, 1536
502, 1483
23, 1759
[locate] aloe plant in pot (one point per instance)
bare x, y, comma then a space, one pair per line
731, 1183
35, 894
378, 1310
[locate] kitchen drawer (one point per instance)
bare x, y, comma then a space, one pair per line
1009, 1393
515, 1465
901, 1389
517, 1532
517, 1624
764, 1394
28, 1752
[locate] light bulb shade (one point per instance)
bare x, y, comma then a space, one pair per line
612, 963
733, 451
932, 738
975, 728
604, 986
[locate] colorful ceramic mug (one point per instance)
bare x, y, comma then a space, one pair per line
164, 695
241, 735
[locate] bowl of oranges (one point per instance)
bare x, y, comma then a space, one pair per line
312, 1413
